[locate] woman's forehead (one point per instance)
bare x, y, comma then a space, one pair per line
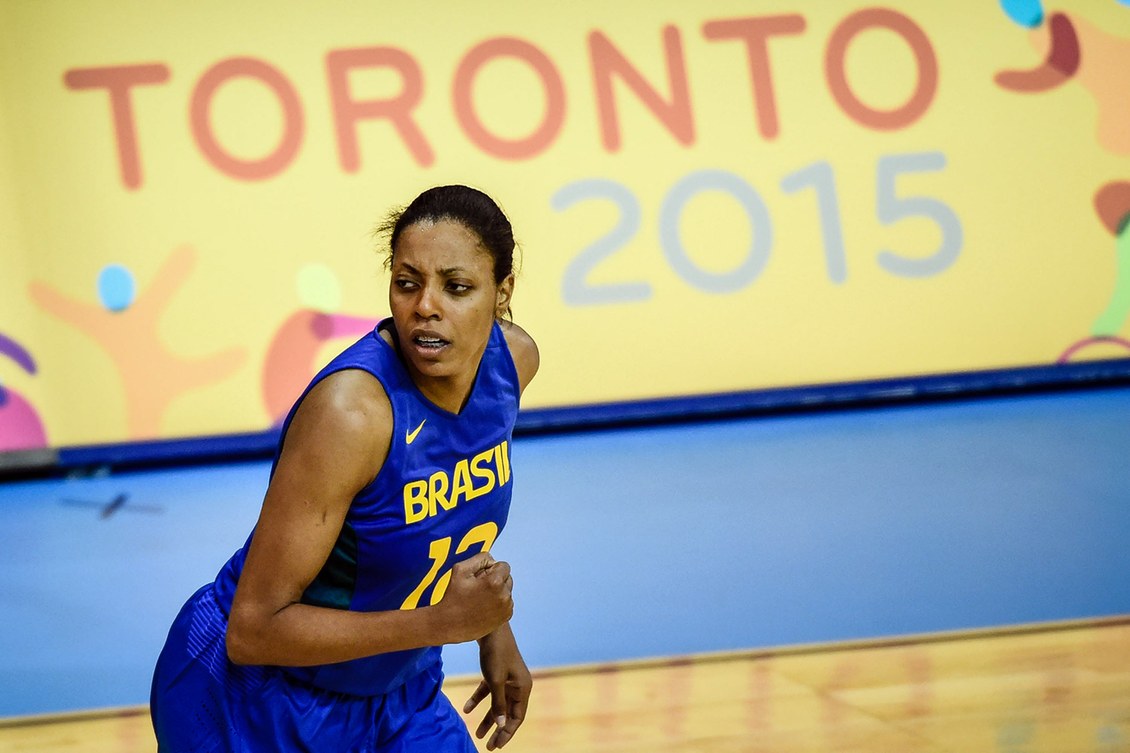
440, 245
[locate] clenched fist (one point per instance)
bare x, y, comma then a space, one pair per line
478, 598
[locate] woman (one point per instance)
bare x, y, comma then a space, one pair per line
371, 550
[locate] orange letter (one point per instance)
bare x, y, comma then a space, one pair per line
755, 32
676, 114
347, 111
551, 83
206, 87
900, 117
118, 80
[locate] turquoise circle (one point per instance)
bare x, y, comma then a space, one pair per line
116, 288
1027, 13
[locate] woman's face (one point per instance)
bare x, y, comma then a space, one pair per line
444, 301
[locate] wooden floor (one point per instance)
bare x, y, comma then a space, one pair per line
1060, 689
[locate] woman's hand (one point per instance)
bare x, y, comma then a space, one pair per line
507, 681
477, 600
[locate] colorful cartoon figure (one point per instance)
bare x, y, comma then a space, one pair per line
1076, 50
20, 425
293, 356
125, 324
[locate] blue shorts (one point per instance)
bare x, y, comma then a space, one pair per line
201, 702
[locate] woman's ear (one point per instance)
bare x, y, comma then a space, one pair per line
505, 291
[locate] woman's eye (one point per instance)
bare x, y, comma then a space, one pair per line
405, 284
458, 287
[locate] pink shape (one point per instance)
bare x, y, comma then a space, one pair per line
20, 426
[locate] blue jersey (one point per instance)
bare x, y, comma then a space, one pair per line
442, 496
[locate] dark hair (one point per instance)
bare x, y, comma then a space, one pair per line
471, 208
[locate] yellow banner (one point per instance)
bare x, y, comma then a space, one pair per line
710, 196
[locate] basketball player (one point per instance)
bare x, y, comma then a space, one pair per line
390, 485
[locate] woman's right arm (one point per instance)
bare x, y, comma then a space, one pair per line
334, 446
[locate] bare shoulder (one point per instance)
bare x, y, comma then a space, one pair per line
351, 400
523, 350
348, 416
354, 392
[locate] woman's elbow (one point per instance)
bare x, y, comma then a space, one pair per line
241, 643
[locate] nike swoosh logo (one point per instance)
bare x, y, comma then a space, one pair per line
410, 437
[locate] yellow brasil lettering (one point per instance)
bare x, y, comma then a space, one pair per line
471, 477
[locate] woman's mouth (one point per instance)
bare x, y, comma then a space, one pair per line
429, 344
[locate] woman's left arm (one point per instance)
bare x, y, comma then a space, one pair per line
507, 681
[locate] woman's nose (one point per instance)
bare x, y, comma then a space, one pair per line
427, 303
